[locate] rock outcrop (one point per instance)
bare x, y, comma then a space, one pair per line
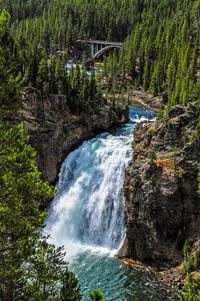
162, 206
148, 100
54, 131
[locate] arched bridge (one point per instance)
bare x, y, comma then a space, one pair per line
98, 47
102, 50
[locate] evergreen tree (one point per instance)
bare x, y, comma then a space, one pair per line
22, 191
42, 80
9, 67
30, 268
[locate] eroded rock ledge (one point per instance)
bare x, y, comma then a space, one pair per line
54, 131
162, 207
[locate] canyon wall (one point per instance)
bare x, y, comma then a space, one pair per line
162, 206
54, 131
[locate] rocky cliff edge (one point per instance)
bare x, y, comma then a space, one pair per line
162, 206
54, 131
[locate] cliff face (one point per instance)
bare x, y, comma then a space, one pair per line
162, 207
54, 131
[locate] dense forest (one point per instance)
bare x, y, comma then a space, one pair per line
160, 53
30, 268
161, 40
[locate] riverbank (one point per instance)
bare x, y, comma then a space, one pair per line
172, 280
176, 277
168, 280
146, 99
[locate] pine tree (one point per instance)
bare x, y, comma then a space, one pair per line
30, 268
42, 80
21, 194
70, 290
9, 67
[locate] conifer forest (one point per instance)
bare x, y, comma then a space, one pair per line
160, 55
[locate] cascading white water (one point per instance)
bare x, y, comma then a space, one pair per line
88, 208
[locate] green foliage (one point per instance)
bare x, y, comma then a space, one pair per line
155, 184
187, 250
160, 114
199, 180
123, 119
42, 79
197, 129
150, 132
58, 24
97, 295
191, 257
191, 290
160, 54
46, 276
193, 262
70, 290
51, 77
151, 156
21, 194
9, 60
30, 268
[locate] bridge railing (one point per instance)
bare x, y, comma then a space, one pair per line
98, 47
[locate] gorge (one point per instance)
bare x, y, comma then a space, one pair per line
54, 132
143, 240
87, 217
125, 207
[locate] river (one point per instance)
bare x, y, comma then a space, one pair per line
86, 216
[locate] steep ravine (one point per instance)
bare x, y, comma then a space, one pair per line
87, 217
162, 207
54, 131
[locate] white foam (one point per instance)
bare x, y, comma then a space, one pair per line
87, 213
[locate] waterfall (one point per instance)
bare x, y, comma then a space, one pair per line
88, 207
88, 210
87, 216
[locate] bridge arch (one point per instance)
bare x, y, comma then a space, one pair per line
102, 50
98, 47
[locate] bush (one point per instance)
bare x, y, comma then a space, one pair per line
97, 295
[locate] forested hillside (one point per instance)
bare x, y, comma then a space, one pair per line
65, 21
30, 268
160, 54
161, 39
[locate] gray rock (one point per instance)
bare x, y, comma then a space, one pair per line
54, 131
163, 207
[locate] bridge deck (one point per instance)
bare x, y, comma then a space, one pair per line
101, 42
